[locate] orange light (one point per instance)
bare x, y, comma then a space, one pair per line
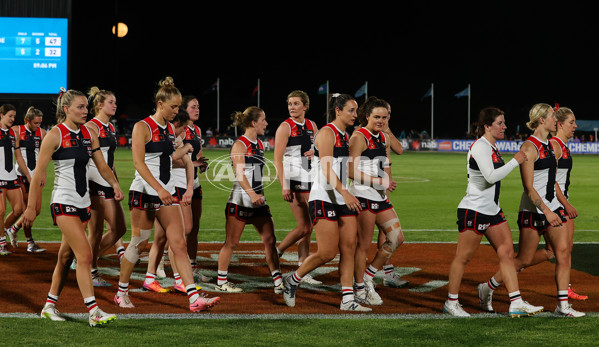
122, 29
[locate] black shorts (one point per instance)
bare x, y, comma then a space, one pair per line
84, 214
24, 182
538, 221
96, 189
478, 222
325, 210
299, 186
145, 201
374, 206
244, 214
179, 192
197, 193
12, 184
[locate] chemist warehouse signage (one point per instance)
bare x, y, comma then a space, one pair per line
513, 146
412, 145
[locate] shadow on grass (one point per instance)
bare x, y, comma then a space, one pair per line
584, 258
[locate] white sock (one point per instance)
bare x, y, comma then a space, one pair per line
150, 277
515, 298
277, 277
178, 279
348, 294
389, 271
360, 289
562, 298
123, 289
222, 277
192, 293
452, 297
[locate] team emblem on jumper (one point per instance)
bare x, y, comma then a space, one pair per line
221, 173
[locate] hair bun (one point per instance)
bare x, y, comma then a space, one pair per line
167, 82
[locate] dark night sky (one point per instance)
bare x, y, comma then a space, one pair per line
513, 54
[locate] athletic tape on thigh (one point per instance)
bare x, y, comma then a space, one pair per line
392, 230
132, 253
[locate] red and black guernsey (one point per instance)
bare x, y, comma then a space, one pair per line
162, 140
194, 137
107, 138
497, 163
31, 142
376, 147
8, 143
254, 160
77, 147
546, 161
301, 135
341, 148
564, 163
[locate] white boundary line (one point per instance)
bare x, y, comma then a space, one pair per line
360, 316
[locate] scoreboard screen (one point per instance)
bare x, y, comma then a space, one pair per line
33, 55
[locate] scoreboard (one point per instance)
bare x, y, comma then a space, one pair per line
33, 55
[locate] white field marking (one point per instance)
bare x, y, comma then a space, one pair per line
255, 258
403, 179
352, 316
429, 286
246, 282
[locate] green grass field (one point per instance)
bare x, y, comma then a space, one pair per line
363, 331
430, 186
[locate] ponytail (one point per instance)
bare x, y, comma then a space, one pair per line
65, 99
245, 118
337, 100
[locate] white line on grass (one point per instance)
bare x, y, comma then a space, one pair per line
286, 316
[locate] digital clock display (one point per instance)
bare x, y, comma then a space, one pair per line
33, 55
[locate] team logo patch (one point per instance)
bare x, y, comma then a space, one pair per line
562, 213
495, 158
483, 227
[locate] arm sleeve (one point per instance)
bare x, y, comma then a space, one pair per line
483, 155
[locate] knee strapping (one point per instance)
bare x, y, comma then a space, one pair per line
132, 253
392, 230
550, 254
